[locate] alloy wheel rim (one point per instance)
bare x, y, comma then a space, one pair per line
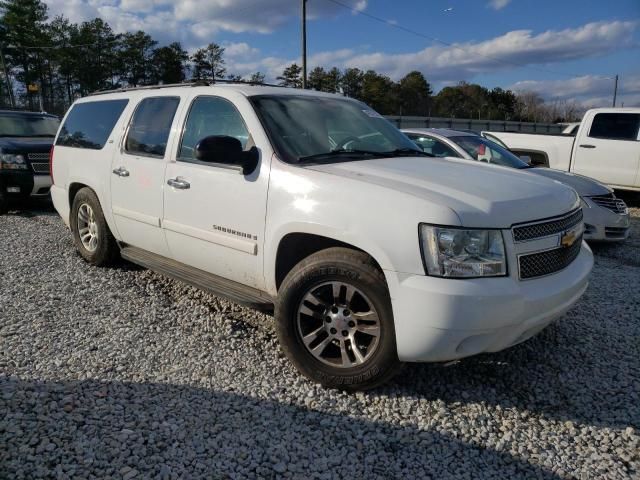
88, 228
338, 324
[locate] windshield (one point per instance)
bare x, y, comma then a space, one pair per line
304, 128
16, 125
485, 150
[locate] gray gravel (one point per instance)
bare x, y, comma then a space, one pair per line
122, 373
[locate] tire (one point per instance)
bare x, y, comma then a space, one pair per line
4, 201
332, 320
102, 250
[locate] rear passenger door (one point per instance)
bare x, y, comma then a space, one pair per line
214, 215
137, 177
610, 150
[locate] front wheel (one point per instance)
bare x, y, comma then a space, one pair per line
334, 320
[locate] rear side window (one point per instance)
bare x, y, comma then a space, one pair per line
89, 124
616, 126
151, 125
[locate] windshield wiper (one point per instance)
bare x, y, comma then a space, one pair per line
342, 153
399, 152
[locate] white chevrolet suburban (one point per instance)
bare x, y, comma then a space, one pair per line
314, 206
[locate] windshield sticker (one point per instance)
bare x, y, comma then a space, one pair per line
372, 113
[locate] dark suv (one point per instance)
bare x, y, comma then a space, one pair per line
25, 142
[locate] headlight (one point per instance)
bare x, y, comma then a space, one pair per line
459, 253
9, 161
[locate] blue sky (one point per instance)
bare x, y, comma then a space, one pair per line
566, 50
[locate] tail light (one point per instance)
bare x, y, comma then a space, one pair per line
51, 164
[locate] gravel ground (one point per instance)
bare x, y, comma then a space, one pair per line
122, 373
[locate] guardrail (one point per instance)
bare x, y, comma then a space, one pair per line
475, 125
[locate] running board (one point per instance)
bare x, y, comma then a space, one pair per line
195, 277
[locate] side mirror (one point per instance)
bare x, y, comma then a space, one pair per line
227, 151
526, 159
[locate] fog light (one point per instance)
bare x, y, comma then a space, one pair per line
13, 189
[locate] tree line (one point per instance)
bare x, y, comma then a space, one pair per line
50, 62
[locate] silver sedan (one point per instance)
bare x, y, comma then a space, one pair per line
606, 217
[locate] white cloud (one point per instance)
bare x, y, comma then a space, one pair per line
499, 4
508, 51
588, 90
201, 18
239, 50
465, 60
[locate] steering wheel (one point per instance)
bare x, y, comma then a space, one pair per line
344, 141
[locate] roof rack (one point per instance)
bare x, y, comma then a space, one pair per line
198, 83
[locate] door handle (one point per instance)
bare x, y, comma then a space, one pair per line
178, 183
121, 172
587, 146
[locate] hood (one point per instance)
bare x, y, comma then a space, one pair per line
26, 144
481, 195
585, 186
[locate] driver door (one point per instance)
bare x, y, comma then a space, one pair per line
214, 216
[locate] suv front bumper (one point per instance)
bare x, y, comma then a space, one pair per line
24, 183
441, 319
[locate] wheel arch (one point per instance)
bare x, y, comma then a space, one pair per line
296, 245
77, 185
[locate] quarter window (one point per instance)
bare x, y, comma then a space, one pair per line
151, 125
616, 126
211, 116
89, 124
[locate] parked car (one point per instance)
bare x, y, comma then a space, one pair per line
606, 217
313, 205
605, 147
25, 142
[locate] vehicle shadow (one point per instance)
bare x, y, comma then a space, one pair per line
86, 428
31, 207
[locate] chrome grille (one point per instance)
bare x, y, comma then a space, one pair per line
610, 202
550, 261
40, 167
35, 157
544, 228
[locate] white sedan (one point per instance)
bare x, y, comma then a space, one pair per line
606, 217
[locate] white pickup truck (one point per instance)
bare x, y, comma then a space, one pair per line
314, 206
606, 147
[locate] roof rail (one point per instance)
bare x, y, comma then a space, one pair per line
198, 83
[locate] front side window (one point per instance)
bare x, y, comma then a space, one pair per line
211, 116
306, 128
150, 126
616, 126
433, 146
484, 150
89, 124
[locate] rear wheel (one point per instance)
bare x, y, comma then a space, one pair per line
91, 234
334, 320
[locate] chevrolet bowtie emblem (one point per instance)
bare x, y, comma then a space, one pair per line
569, 237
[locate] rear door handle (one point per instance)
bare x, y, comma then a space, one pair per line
178, 183
587, 146
121, 172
